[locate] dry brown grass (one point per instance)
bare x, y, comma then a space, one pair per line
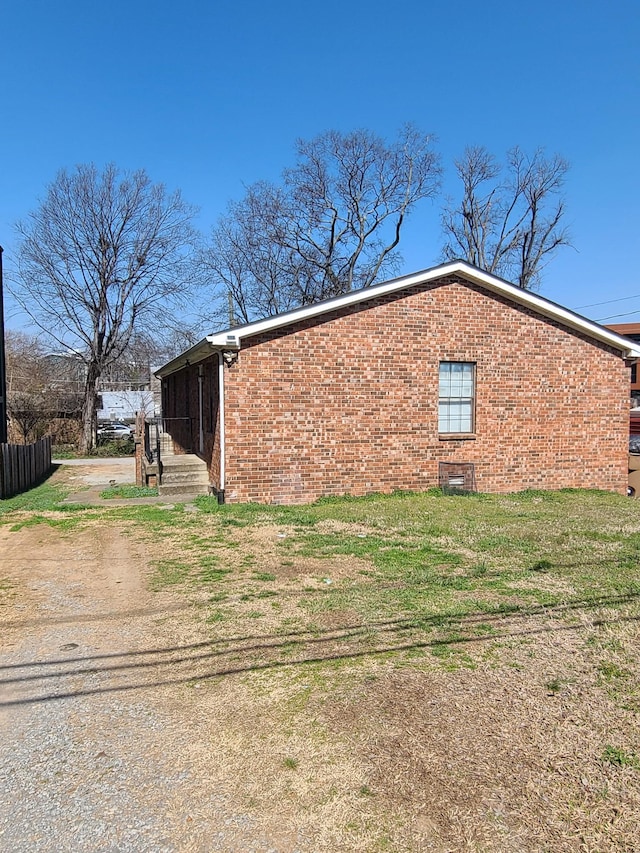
405, 755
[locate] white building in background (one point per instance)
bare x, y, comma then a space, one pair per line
124, 405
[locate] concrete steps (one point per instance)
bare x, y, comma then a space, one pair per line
183, 474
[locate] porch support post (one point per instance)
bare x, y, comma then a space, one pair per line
200, 413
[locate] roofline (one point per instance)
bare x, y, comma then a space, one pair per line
198, 352
232, 338
623, 328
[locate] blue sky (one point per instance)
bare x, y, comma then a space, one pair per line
209, 97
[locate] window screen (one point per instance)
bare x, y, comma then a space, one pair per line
456, 396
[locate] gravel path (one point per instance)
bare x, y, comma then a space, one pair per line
96, 747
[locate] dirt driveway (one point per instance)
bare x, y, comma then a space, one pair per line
103, 747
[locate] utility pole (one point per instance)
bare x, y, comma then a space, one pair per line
232, 319
3, 368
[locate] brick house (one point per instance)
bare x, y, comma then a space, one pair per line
449, 376
631, 331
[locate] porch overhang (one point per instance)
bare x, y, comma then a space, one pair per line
205, 348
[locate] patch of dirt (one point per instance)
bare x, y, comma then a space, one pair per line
46, 549
93, 669
269, 541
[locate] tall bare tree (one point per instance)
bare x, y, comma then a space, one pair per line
332, 225
101, 258
260, 275
509, 220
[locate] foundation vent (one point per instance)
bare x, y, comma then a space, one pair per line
457, 477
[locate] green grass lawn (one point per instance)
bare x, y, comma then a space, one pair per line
419, 557
407, 573
422, 556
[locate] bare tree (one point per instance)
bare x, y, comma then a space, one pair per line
28, 384
102, 257
28, 412
509, 220
260, 274
24, 354
333, 225
25, 384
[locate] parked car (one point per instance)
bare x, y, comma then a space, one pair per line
114, 431
633, 487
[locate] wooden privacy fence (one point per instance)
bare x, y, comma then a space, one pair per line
23, 465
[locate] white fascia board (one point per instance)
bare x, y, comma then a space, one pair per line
473, 274
543, 306
231, 339
327, 306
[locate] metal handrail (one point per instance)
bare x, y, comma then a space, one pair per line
151, 448
148, 452
159, 473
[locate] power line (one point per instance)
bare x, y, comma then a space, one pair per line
609, 302
613, 316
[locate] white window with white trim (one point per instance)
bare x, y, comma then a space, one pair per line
456, 397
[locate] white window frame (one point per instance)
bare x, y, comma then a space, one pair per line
456, 397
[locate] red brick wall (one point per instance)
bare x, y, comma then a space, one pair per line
349, 404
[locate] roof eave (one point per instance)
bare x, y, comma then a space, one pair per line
232, 339
554, 311
487, 280
198, 352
